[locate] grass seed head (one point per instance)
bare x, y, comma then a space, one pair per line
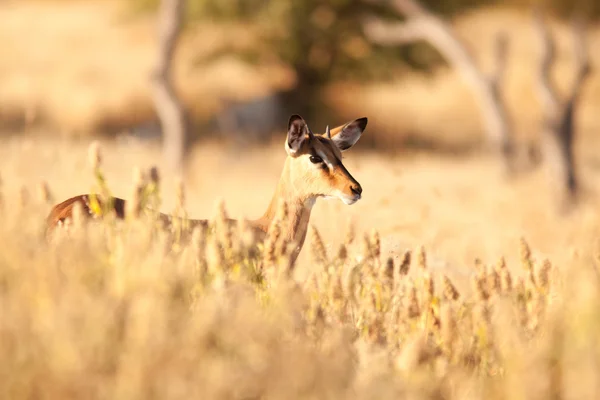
493, 281
342, 254
404, 265
421, 258
428, 284
480, 267
412, 305
387, 270
375, 244
134, 205
154, 175
505, 280
481, 314
367, 251
95, 155
525, 253
223, 228
543, 274
318, 250
350, 234
501, 265
450, 291
480, 288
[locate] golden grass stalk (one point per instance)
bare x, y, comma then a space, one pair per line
421, 258
134, 205
543, 275
493, 282
223, 228
413, 310
526, 260
448, 332
318, 251
404, 266
387, 272
342, 253
449, 290
350, 234
480, 288
95, 155
375, 245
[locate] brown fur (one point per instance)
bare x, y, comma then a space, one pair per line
300, 184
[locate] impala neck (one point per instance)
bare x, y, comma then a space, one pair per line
299, 209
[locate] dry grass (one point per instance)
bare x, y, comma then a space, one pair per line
447, 204
124, 310
435, 294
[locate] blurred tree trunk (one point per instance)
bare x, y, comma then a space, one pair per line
169, 108
422, 24
558, 119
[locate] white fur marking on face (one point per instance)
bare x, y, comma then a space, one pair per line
324, 157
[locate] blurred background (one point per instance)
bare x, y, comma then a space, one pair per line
82, 67
452, 90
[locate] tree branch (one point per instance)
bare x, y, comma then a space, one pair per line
424, 25
558, 129
501, 44
583, 66
168, 106
547, 48
409, 8
394, 33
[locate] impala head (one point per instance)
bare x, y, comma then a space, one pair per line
315, 160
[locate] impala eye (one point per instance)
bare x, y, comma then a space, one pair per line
316, 159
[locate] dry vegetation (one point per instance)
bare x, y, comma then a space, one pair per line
124, 310
449, 282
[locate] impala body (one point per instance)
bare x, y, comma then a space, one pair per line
313, 168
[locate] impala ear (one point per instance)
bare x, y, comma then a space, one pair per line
346, 136
297, 131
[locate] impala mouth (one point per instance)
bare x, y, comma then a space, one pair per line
349, 200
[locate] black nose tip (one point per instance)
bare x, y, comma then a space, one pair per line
356, 189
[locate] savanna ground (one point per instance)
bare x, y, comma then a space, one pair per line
106, 317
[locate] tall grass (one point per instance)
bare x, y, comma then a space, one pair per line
122, 309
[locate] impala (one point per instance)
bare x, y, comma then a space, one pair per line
313, 168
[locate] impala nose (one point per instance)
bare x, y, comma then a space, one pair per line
356, 189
